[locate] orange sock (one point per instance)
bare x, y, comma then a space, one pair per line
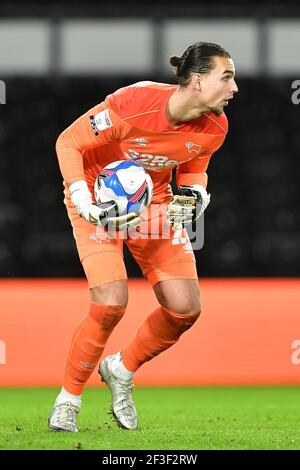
159, 331
88, 343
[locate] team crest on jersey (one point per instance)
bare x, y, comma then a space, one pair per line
193, 147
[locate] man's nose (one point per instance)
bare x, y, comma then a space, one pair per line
234, 87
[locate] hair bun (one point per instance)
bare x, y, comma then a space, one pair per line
175, 61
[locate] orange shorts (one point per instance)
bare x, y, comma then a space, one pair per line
158, 257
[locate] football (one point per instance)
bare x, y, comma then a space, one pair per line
126, 183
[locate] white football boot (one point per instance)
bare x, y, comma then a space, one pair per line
123, 408
63, 417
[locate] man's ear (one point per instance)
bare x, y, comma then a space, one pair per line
197, 81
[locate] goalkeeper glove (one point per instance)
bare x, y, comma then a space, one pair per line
104, 214
187, 207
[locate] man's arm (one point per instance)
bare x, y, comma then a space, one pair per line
98, 126
193, 172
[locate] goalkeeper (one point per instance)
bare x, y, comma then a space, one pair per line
161, 127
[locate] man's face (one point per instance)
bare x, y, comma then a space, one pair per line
218, 86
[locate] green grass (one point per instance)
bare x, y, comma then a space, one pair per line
169, 418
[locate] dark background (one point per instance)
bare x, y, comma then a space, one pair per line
252, 226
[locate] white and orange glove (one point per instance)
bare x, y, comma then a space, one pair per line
187, 206
104, 214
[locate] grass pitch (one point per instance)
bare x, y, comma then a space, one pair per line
169, 418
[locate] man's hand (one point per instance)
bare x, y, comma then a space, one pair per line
180, 211
124, 222
104, 214
188, 206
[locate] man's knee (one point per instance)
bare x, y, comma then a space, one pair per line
191, 307
107, 316
112, 293
182, 319
181, 297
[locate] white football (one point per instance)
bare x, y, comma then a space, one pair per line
126, 183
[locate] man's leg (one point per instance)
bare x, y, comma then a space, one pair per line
179, 309
107, 308
108, 303
171, 269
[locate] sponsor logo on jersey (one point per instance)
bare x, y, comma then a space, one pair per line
152, 162
103, 120
193, 147
94, 125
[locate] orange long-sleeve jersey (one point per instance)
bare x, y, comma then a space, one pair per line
131, 124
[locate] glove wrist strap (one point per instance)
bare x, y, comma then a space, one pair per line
80, 185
